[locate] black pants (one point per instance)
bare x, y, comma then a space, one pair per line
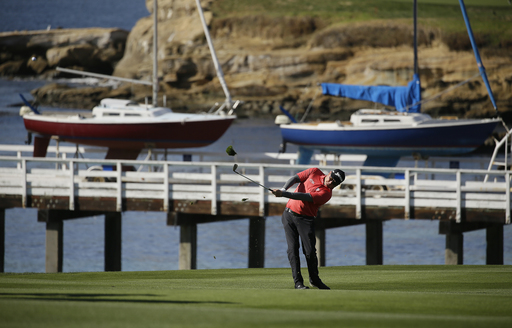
295, 226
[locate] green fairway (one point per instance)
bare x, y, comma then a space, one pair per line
369, 296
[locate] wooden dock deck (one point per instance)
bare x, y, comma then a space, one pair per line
192, 193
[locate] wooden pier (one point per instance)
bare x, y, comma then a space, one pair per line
193, 193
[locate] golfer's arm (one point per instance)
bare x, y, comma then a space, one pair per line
298, 196
293, 180
295, 195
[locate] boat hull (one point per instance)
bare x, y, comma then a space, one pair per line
183, 134
428, 140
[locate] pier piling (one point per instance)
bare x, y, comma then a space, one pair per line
188, 247
2, 239
256, 242
494, 251
320, 245
453, 253
455, 240
54, 245
113, 241
374, 242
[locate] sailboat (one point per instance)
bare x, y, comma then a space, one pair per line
385, 136
126, 127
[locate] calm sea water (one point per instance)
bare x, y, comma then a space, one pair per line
148, 243
18, 15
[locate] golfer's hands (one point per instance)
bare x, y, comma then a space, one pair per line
277, 192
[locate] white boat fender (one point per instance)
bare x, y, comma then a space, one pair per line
282, 119
25, 110
33, 109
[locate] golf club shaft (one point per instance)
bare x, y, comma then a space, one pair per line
253, 181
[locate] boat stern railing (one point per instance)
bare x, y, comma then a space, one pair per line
498, 144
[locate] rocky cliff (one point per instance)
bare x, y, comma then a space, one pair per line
270, 62
27, 53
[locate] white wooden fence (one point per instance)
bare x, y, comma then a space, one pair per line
364, 186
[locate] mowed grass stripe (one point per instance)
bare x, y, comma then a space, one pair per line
369, 296
73, 314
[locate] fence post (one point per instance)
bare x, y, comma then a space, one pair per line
71, 186
166, 187
459, 198
214, 190
358, 194
262, 191
24, 185
407, 194
507, 193
119, 201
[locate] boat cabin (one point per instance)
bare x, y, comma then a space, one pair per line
109, 108
370, 117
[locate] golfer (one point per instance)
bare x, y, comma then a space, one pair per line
314, 190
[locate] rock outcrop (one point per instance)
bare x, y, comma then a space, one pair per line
26, 53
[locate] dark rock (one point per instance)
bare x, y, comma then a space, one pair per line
64, 96
14, 68
91, 49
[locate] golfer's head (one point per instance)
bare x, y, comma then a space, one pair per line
338, 176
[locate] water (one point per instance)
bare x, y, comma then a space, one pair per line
148, 243
18, 15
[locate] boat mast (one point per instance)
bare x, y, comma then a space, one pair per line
216, 64
415, 13
155, 55
481, 67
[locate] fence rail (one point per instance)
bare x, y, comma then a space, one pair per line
457, 189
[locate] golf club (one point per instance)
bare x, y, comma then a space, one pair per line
234, 170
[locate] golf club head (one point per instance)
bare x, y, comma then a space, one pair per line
235, 167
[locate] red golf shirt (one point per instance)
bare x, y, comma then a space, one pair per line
312, 182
